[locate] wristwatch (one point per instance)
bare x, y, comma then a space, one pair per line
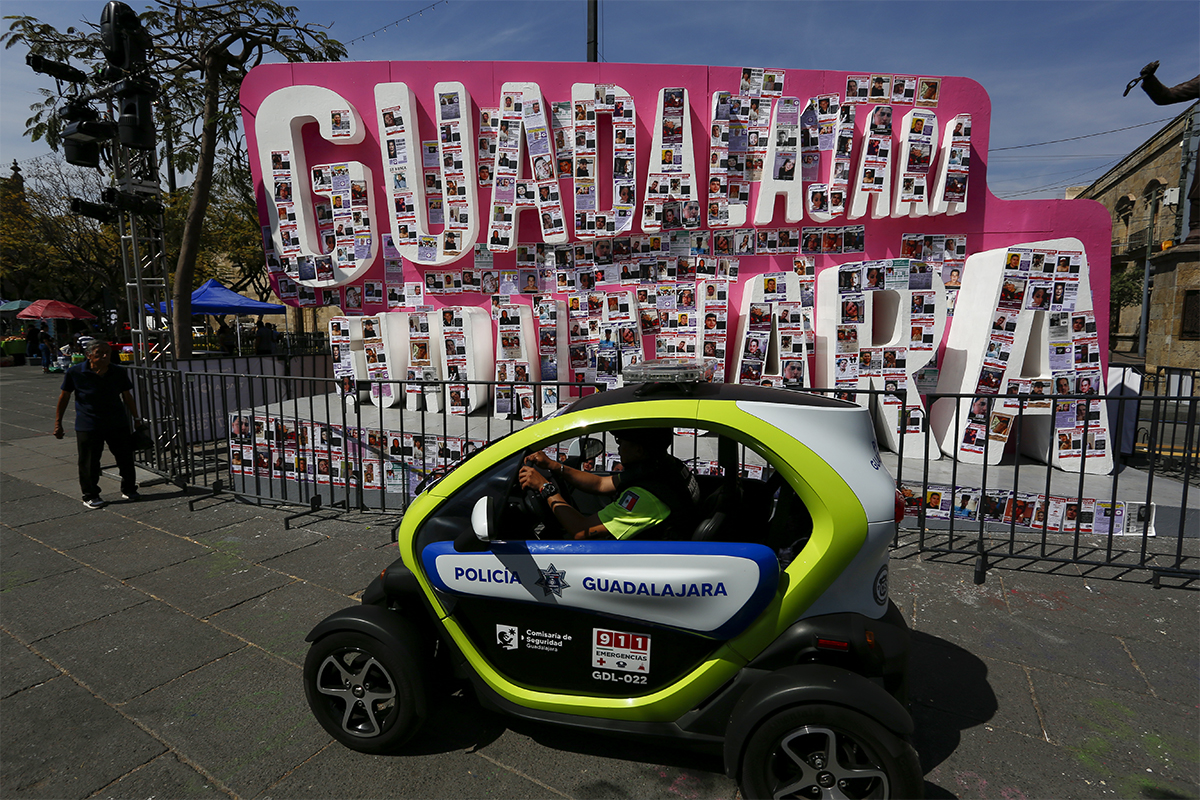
548, 490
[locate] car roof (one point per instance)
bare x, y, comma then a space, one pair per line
728, 392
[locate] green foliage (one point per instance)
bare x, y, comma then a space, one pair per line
231, 245
48, 252
236, 230
1126, 287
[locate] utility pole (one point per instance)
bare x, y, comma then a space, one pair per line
1146, 274
592, 44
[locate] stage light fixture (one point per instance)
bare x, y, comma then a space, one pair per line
127, 201
122, 37
93, 210
83, 132
135, 123
55, 69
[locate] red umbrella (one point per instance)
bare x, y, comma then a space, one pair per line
54, 309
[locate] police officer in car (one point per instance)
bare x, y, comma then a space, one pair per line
654, 488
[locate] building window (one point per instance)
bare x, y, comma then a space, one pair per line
1189, 327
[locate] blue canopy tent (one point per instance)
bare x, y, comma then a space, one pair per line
214, 298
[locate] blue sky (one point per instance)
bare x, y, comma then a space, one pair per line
1054, 70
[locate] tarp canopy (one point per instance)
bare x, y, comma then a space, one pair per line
214, 298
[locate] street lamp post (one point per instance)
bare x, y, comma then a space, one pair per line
1146, 274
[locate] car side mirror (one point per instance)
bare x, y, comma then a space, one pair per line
483, 518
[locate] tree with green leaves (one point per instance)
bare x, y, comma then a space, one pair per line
48, 252
199, 53
231, 242
1125, 290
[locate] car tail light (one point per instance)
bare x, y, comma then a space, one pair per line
899, 507
833, 644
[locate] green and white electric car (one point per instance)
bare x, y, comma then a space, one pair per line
764, 632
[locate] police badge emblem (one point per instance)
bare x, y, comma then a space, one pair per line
553, 580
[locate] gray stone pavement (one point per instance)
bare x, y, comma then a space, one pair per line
146, 651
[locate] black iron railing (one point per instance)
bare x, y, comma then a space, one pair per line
280, 430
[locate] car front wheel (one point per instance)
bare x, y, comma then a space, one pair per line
822, 751
368, 694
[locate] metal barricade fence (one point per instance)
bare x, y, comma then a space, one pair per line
1162, 436
286, 435
297, 344
296, 439
1023, 509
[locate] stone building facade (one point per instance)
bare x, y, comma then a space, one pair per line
1146, 193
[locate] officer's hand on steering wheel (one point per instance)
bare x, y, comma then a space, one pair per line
539, 459
530, 478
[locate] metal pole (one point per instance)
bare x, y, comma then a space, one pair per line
1146, 275
1187, 175
592, 43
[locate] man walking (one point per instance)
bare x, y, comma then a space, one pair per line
103, 395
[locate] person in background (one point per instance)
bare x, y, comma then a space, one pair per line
226, 338
31, 340
262, 339
104, 409
46, 347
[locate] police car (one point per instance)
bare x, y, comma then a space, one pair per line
762, 630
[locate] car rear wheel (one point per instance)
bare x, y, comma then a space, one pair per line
821, 751
368, 694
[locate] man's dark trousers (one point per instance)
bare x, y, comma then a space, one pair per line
91, 447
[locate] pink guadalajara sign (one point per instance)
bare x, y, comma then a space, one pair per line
333, 113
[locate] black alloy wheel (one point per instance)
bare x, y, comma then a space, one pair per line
367, 694
821, 751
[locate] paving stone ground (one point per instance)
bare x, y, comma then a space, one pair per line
149, 651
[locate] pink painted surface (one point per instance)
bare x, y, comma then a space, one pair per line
988, 223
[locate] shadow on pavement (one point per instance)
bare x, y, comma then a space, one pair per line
456, 722
949, 692
647, 750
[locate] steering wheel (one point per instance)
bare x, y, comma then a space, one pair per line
536, 506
